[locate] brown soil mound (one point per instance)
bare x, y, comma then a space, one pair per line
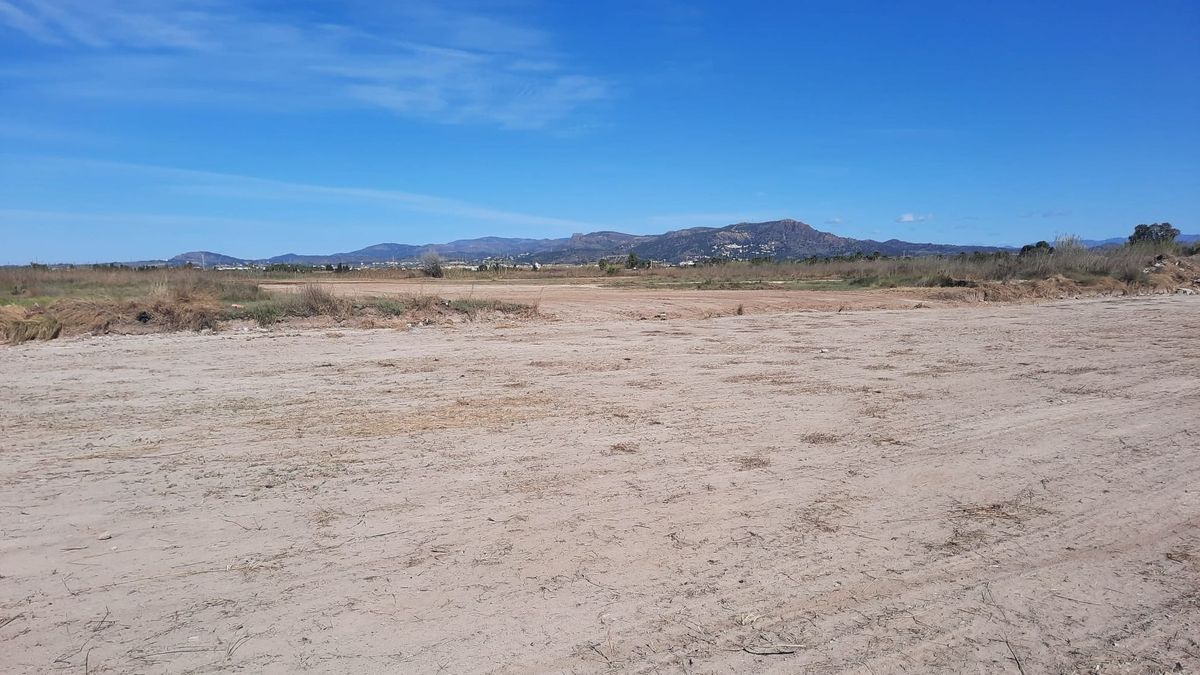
1170, 274
1056, 287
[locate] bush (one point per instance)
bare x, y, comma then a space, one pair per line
314, 300
1158, 233
265, 314
422, 303
1042, 247
188, 314
431, 265
472, 307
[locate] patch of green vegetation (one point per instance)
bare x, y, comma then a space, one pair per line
818, 285
908, 281
759, 284
391, 307
726, 285
473, 306
310, 301
266, 313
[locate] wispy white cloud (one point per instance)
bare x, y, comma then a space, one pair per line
148, 220
836, 220
914, 217
424, 59
24, 22
235, 186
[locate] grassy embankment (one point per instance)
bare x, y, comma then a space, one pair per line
39, 303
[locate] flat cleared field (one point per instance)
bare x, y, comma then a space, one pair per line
982, 489
601, 299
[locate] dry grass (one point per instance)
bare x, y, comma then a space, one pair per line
1071, 261
36, 285
820, 438
42, 304
1017, 510
473, 307
17, 326
75, 316
314, 300
1087, 267
751, 462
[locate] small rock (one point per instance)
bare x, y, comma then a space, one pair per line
106, 535
1185, 291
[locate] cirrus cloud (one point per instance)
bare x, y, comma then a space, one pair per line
449, 64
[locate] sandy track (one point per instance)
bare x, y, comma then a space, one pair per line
940, 490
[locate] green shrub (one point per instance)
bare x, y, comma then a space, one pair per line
391, 307
265, 313
472, 306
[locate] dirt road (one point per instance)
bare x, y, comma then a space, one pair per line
995, 488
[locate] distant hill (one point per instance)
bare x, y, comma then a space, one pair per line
1118, 241
204, 259
1101, 243
778, 239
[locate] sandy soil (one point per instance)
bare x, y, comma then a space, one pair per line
995, 488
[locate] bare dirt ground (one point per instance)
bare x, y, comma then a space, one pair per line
994, 488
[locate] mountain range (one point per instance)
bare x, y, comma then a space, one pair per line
776, 239
1117, 241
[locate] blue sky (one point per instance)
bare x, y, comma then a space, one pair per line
136, 129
